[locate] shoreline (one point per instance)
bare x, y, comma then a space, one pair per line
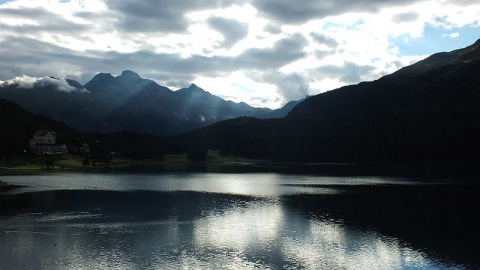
7, 186
464, 173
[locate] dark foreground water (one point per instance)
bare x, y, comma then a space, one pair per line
237, 221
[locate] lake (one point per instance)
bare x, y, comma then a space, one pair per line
189, 220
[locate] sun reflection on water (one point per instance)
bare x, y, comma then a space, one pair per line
208, 222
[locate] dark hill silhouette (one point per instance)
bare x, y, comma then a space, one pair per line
426, 112
17, 126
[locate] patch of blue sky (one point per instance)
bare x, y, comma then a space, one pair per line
437, 39
353, 26
243, 88
6, 1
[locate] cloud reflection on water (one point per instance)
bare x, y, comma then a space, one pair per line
201, 221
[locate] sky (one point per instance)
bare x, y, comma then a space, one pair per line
262, 52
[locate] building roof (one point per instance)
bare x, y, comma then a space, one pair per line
44, 132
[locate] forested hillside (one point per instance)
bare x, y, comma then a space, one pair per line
427, 112
17, 126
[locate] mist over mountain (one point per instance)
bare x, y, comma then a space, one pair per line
426, 112
125, 103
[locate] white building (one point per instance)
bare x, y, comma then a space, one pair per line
44, 142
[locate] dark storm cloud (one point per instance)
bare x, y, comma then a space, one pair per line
324, 39
348, 73
231, 30
301, 11
160, 15
405, 17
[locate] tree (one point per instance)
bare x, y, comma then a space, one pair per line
49, 163
86, 162
197, 153
107, 158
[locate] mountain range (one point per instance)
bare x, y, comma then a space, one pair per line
426, 113
128, 103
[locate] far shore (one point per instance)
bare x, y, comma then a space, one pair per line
69, 162
216, 163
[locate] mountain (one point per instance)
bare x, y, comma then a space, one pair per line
282, 112
125, 103
426, 112
17, 127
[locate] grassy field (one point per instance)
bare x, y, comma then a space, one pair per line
29, 162
39, 162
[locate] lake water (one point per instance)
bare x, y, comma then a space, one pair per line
237, 221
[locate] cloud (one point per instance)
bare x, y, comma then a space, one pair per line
6, 74
160, 15
22, 82
347, 73
301, 11
44, 21
324, 39
451, 35
405, 17
36, 58
39, 58
231, 30
290, 86
28, 82
320, 54
284, 51
272, 28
